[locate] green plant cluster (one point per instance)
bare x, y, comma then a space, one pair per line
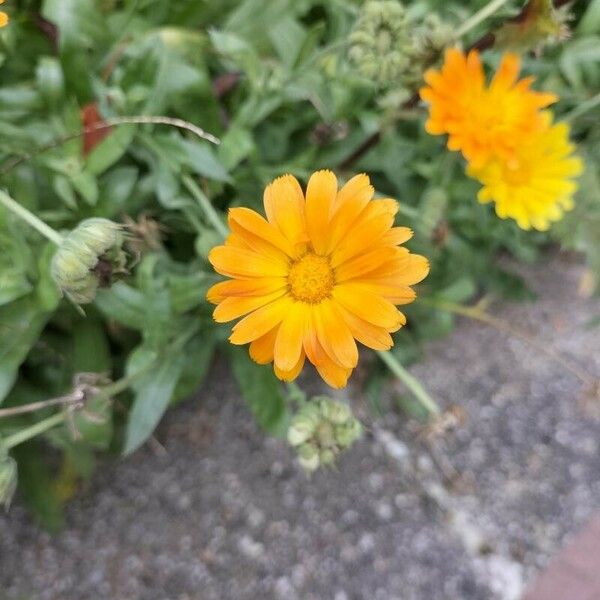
275, 81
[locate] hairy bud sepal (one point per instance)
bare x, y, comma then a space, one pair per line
88, 258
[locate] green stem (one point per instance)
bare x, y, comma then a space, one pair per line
30, 432
205, 204
410, 381
584, 107
481, 15
30, 218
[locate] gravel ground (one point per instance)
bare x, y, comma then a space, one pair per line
225, 514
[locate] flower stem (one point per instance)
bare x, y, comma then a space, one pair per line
410, 381
205, 204
30, 218
30, 432
584, 107
481, 15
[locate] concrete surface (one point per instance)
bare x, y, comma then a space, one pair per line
225, 514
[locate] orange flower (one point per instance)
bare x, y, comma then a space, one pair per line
482, 120
3, 16
319, 273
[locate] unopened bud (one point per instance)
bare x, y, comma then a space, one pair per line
320, 430
308, 457
87, 259
539, 23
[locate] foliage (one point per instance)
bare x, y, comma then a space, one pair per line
273, 80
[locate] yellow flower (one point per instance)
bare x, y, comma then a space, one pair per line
319, 273
482, 120
536, 186
3, 16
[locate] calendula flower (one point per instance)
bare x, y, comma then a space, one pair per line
3, 16
482, 120
319, 273
536, 186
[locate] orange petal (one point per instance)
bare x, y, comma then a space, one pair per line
288, 345
233, 308
261, 321
238, 262
378, 219
284, 205
368, 306
404, 270
396, 236
261, 349
333, 374
244, 221
320, 197
334, 335
366, 333
293, 372
361, 265
259, 286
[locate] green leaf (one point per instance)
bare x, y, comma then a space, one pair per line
153, 392
35, 484
123, 304
85, 183
198, 356
21, 323
110, 149
262, 391
50, 80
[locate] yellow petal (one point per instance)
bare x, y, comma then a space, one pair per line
261, 321
288, 345
320, 197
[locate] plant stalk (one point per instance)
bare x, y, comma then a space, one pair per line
481, 15
32, 431
31, 219
205, 204
584, 107
410, 381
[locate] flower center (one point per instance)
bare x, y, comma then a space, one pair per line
311, 278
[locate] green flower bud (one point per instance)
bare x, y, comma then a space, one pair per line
390, 50
300, 430
320, 430
8, 478
327, 457
335, 411
308, 457
87, 259
347, 434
